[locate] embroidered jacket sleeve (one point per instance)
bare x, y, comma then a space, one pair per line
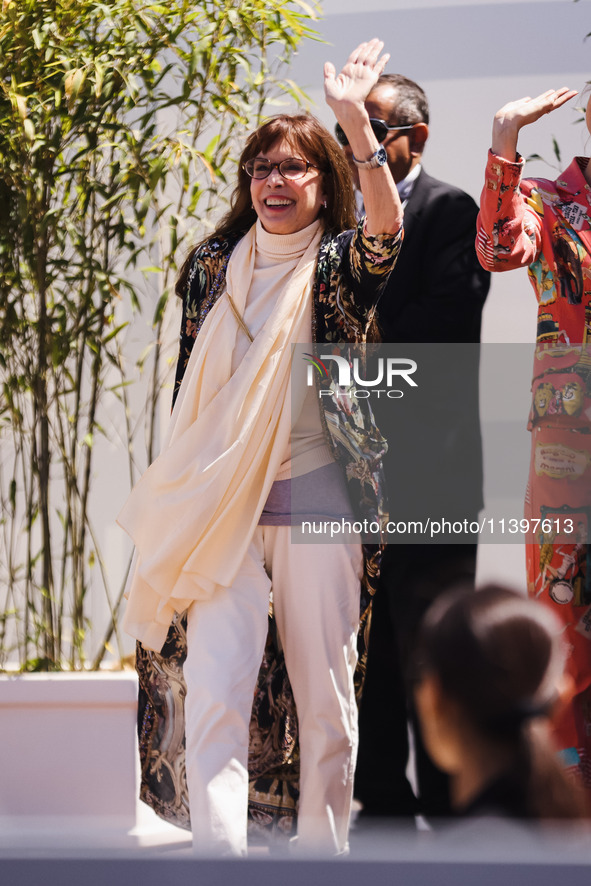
368, 264
352, 272
509, 230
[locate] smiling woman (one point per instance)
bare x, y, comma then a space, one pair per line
287, 192
286, 264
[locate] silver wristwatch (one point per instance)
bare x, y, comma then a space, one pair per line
380, 158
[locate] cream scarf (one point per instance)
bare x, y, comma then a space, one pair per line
193, 513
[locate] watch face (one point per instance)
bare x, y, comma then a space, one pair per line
381, 156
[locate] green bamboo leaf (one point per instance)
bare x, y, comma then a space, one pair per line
73, 83
160, 307
292, 89
184, 164
210, 149
144, 355
144, 205
311, 12
99, 76
114, 333
21, 104
195, 197
157, 168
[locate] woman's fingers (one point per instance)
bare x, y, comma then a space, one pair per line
358, 76
554, 98
373, 50
528, 109
514, 115
368, 54
381, 64
564, 95
366, 51
329, 71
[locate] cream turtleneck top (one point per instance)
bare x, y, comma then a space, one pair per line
277, 256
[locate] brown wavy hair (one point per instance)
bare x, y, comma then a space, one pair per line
306, 135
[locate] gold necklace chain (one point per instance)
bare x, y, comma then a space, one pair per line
239, 319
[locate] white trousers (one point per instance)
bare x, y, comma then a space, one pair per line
316, 603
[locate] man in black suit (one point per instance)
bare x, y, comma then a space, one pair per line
435, 295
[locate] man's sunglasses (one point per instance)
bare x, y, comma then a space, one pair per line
380, 130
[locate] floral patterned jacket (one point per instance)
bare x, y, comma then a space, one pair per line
351, 274
546, 226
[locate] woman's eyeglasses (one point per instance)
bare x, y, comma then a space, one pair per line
380, 130
292, 168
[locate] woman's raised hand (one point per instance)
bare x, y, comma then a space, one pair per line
357, 79
514, 115
346, 95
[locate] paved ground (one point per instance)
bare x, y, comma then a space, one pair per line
153, 853
387, 860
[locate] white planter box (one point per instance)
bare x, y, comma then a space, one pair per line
68, 750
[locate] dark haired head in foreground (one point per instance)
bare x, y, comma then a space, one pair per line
490, 670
